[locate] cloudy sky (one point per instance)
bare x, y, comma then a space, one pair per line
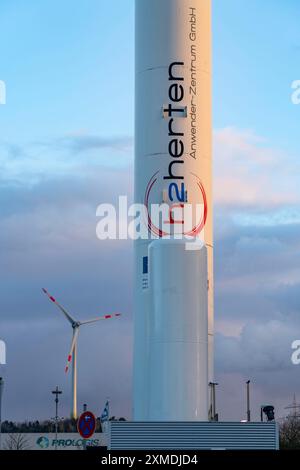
66, 145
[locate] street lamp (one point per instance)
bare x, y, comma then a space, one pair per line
56, 392
268, 410
213, 415
248, 402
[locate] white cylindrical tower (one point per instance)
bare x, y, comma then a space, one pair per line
172, 153
178, 349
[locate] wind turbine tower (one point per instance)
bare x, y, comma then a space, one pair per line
72, 357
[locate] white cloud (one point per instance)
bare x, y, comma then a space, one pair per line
250, 173
72, 154
261, 346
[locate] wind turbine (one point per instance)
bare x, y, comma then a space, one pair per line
73, 351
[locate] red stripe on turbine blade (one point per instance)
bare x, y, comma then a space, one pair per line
52, 298
107, 316
66, 369
69, 358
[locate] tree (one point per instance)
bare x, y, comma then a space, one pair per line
16, 442
290, 434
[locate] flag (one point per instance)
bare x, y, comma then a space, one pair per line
105, 413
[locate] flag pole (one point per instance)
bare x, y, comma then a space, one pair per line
108, 424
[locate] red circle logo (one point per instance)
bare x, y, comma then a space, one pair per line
197, 227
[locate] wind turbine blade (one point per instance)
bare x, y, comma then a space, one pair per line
73, 344
104, 317
67, 315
